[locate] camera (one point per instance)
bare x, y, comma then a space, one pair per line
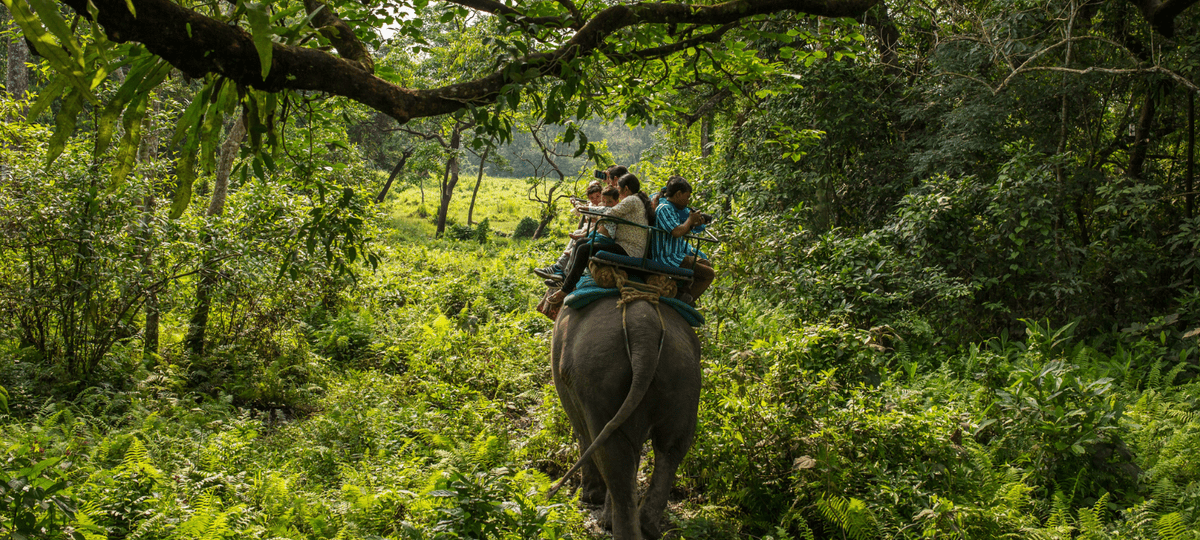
706, 218
600, 175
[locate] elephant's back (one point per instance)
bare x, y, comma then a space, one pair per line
590, 353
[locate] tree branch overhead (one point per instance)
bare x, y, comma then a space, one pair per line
198, 45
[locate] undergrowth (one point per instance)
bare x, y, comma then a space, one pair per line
416, 402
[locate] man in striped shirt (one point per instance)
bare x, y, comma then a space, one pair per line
674, 216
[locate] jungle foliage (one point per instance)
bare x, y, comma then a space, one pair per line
957, 292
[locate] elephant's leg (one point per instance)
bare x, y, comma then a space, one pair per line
592, 489
668, 454
606, 513
618, 465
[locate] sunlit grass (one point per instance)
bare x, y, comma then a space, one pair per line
504, 202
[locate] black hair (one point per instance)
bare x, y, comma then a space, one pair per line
612, 192
631, 182
676, 184
617, 171
595, 187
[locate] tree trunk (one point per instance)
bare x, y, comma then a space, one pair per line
198, 325
1141, 141
478, 181
1061, 175
449, 180
421, 186
146, 154
17, 75
391, 177
705, 134
1190, 198
548, 215
887, 38
150, 337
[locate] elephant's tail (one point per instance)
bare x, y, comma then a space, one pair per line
637, 390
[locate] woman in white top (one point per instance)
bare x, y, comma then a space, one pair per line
634, 208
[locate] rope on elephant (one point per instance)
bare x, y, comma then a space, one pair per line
631, 291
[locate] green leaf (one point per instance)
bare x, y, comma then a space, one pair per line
583, 144
214, 121
48, 48
64, 123
258, 168
255, 127
191, 116
261, 31
185, 176
105, 125
46, 96
48, 12
132, 121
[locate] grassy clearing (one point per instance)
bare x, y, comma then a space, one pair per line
502, 201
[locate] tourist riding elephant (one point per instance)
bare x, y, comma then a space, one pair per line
623, 379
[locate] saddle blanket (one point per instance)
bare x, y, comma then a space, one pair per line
587, 292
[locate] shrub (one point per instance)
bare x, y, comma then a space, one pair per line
483, 231
525, 228
460, 232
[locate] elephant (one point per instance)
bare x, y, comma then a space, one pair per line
625, 374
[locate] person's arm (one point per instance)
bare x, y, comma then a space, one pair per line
669, 219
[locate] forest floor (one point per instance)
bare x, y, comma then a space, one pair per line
417, 403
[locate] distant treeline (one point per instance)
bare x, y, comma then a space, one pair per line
522, 158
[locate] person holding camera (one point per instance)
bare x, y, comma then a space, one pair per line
606, 178
634, 207
611, 175
674, 216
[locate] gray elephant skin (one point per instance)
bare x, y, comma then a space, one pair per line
617, 398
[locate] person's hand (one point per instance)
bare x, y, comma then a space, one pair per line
695, 218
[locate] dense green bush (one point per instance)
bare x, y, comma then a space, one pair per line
525, 228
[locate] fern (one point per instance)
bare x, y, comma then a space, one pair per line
1166, 492
137, 459
1168, 380
1091, 520
1154, 378
149, 528
1060, 512
850, 516
805, 531
85, 526
136, 454
1170, 527
1181, 416
794, 520
208, 522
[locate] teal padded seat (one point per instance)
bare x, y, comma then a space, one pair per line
645, 265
